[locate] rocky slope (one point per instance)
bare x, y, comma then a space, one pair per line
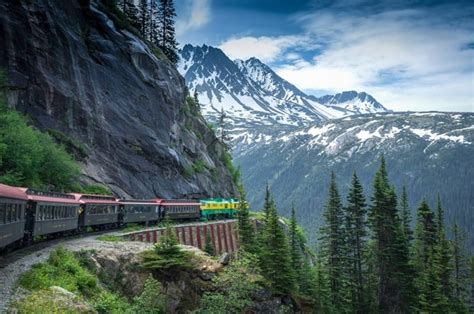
72, 69
428, 152
252, 94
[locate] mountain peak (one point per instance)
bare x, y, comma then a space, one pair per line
251, 92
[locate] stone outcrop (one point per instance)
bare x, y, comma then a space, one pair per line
120, 270
71, 69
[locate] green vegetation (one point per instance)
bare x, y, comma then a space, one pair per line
74, 272
226, 159
167, 256
188, 172
234, 287
199, 166
96, 189
209, 247
109, 238
29, 157
73, 147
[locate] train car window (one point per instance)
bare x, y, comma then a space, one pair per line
2, 214
8, 218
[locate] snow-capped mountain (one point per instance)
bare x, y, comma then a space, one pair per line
429, 152
250, 92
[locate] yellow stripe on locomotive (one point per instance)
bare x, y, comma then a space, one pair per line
219, 207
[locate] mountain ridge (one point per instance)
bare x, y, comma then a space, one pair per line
251, 89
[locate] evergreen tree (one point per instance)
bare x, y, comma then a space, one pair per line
267, 204
209, 247
385, 226
153, 14
443, 256
222, 124
405, 215
460, 272
166, 38
295, 249
143, 18
322, 293
246, 228
356, 233
428, 283
333, 248
275, 259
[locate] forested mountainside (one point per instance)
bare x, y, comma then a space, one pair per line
252, 94
430, 153
117, 104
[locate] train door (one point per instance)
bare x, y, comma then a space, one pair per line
30, 218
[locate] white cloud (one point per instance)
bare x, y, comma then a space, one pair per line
196, 14
406, 62
267, 49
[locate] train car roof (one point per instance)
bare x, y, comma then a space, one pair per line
7, 191
138, 202
95, 199
179, 202
49, 197
219, 200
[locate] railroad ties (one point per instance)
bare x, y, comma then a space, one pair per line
223, 235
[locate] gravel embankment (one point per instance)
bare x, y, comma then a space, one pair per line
10, 273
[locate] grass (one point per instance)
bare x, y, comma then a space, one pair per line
109, 238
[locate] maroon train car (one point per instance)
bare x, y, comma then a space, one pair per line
12, 216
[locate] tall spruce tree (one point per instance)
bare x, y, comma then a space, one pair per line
460, 274
268, 202
385, 226
428, 283
356, 232
333, 248
275, 260
143, 18
166, 37
295, 248
443, 256
245, 226
405, 215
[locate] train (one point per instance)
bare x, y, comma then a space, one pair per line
28, 214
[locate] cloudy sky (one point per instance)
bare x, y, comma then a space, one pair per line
410, 54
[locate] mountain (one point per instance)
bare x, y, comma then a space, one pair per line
252, 94
428, 152
80, 73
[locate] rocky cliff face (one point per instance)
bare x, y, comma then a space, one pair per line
73, 70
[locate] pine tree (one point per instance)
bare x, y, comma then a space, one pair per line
246, 229
427, 281
385, 226
333, 248
295, 248
356, 233
275, 259
153, 14
222, 123
405, 215
143, 18
443, 257
209, 247
166, 38
460, 272
268, 202
322, 293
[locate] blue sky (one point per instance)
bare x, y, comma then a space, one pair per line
410, 55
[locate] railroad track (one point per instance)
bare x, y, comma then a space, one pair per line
15, 255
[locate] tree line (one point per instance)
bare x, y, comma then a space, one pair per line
369, 260
155, 21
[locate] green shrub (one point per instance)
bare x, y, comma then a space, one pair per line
96, 189
106, 302
45, 302
188, 172
226, 159
73, 147
235, 287
199, 166
167, 256
151, 300
29, 157
61, 269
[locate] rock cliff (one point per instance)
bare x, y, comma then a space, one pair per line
71, 69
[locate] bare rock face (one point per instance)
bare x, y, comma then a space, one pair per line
119, 269
71, 69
